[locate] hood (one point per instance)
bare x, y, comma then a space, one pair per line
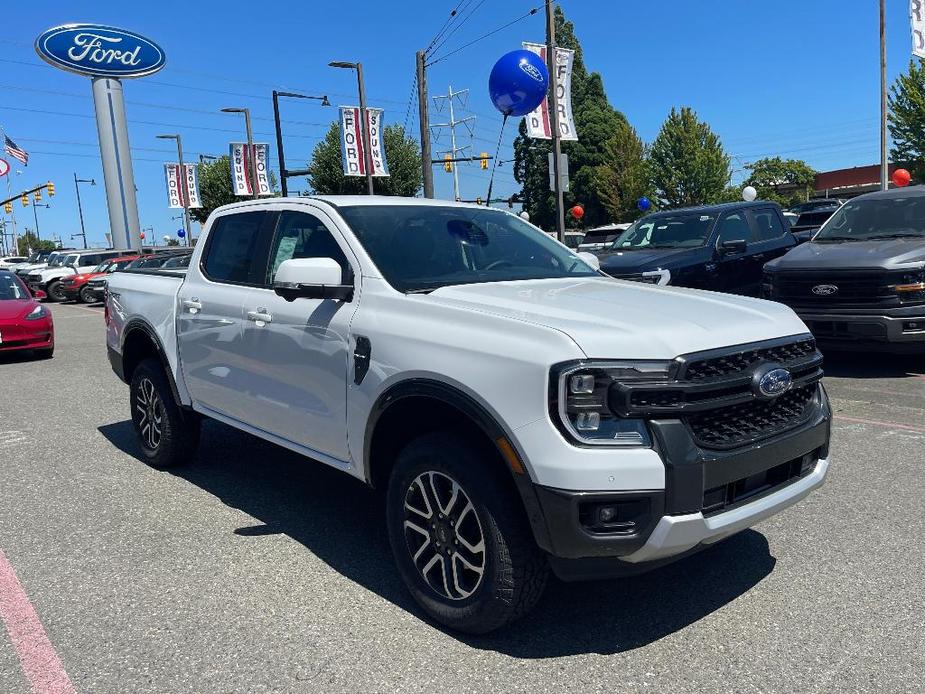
887, 254
627, 261
618, 319
11, 309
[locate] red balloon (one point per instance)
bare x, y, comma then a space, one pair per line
578, 212
142, 235
901, 177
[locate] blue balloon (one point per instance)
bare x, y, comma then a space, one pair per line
643, 204
518, 83
181, 233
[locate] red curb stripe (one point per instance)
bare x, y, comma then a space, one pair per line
890, 425
40, 662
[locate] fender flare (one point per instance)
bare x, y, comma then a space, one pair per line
142, 325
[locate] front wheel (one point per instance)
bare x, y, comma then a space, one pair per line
168, 436
85, 295
460, 536
55, 291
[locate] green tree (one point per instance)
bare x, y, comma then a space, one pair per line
215, 187
623, 178
786, 181
326, 172
687, 161
907, 120
29, 241
596, 121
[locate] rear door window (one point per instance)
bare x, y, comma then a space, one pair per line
767, 225
233, 249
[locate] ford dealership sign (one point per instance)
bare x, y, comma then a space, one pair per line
100, 51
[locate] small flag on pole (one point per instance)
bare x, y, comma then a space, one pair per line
14, 151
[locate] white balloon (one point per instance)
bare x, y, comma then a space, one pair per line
749, 193
524, 215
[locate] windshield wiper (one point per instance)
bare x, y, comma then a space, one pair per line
837, 238
897, 235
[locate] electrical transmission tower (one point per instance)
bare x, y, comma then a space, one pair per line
462, 97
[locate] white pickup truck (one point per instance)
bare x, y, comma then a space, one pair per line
521, 411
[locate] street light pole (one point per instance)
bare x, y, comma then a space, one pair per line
364, 123
249, 156
36, 217
884, 163
182, 179
80, 209
284, 173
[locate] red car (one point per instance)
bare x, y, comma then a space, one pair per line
24, 322
75, 286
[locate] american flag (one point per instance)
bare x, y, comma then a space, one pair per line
14, 151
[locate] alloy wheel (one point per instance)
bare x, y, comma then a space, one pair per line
444, 536
150, 414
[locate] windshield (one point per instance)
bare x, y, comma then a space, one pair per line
602, 235
102, 267
118, 265
10, 288
876, 218
681, 231
55, 259
71, 259
419, 248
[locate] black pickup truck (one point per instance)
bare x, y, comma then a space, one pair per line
717, 247
860, 283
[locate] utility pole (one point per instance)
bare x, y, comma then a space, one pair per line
552, 65
884, 164
426, 167
449, 96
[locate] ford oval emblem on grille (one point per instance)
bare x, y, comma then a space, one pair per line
771, 381
825, 289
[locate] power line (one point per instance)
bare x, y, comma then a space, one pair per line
445, 25
484, 36
458, 26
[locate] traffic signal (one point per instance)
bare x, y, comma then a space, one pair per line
24, 200
448, 163
483, 160
38, 196
51, 189
478, 201
8, 208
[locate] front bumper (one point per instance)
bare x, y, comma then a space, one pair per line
15, 338
867, 329
707, 496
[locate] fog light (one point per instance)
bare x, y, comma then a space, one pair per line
588, 421
607, 514
582, 384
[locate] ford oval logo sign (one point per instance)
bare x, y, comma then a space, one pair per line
531, 70
771, 381
825, 290
100, 51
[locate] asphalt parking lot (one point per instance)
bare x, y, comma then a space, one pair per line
253, 570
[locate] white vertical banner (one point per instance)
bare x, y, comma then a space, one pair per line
538, 124
351, 142
191, 176
917, 20
240, 163
174, 196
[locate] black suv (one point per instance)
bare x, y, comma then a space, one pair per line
860, 283
717, 247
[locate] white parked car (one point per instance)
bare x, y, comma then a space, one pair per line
10, 262
599, 239
48, 279
522, 411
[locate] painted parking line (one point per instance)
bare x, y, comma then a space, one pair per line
40, 662
878, 423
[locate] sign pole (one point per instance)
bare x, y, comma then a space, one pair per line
184, 192
884, 163
552, 64
117, 163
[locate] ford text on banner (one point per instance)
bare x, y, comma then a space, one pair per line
917, 20
538, 126
177, 193
240, 169
351, 142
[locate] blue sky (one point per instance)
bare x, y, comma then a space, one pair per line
791, 78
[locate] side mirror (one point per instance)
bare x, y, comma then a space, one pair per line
311, 278
590, 259
733, 247
39, 294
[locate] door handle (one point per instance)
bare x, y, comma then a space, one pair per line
192, 305
259, 316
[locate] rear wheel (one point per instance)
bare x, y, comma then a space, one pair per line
55, 291
168, 437
460, 537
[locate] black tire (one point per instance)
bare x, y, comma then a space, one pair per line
514, 570
84, 296
168, 436
55, 291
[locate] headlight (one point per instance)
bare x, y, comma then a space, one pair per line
37, 313
581, 409
911, 288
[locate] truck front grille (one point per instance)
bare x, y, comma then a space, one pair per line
738, 362
855, 288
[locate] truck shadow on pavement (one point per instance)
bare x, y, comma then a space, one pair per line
862, 365
339, 520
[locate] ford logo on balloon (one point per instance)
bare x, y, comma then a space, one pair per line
518, 83
100, 51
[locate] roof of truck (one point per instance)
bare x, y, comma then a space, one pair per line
357, 200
